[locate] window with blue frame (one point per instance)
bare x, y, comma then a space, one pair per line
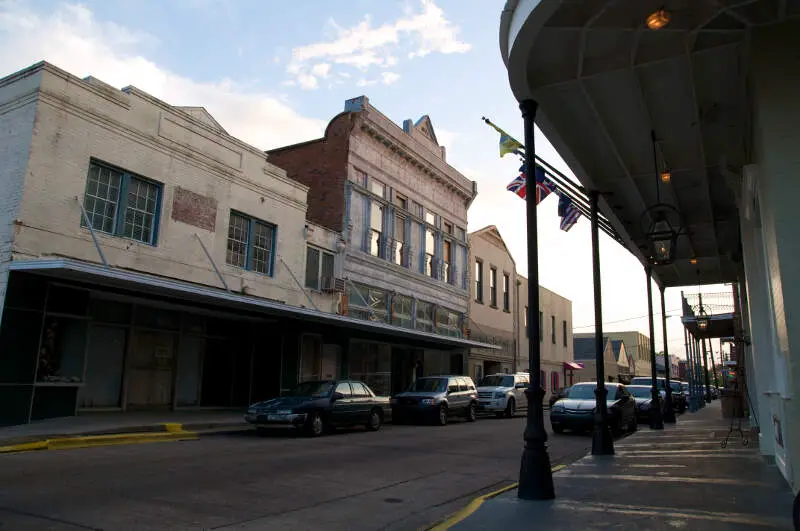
251, 244
121, 203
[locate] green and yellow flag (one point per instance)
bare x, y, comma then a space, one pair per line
508, 144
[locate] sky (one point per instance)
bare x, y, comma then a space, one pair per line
274, 73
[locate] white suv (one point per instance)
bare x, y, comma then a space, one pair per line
503, 394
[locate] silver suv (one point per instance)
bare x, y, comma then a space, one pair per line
436, 398
503, 394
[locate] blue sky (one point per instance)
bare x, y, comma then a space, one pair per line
274, 72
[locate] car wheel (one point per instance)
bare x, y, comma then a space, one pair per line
314, 425
557, 429
443, 413
262, 432
511, 408
472, 412
375, 420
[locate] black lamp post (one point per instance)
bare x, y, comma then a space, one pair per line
705, 372
669, 412
535, 475
656, 421
602, 442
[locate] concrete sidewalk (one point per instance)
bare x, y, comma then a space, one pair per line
114, 423
679, 478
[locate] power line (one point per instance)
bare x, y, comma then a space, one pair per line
629, 319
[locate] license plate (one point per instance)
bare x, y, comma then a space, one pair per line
274, 417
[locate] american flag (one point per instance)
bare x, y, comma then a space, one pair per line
568, 211
544, 186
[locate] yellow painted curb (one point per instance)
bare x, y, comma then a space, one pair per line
173, 427
63, 443
473, 506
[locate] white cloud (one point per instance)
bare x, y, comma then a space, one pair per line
307, 81
389, 77
321, 70
364, 83
73, 39
417, 33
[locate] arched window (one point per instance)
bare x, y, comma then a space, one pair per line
554, 381
543, 377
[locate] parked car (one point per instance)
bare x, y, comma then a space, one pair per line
318, 406
576, 411
647, 380
685, 391
436, 398
558, 395
503, 394
679, 402
643, 396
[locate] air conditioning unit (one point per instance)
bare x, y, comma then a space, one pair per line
332, 284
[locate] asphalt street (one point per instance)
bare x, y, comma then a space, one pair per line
400, 478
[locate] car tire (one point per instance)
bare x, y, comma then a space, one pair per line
442, 415
314, 425
511, 408
262, 432
472, 412
375, 420
557, 429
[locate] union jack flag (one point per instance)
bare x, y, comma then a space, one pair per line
544, 186
568, 211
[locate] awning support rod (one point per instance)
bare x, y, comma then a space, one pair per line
213, 264
289, 269
91, 231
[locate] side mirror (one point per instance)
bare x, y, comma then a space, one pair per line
337, 396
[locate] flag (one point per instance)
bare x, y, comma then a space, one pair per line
544, 186
508, 145
568, 211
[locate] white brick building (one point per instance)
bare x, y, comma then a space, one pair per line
183, 283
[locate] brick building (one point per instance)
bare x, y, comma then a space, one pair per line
402, 211
148, 259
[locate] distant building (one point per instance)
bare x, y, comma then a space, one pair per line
637, 346
585, 352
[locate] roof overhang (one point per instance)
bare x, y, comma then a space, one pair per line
719, 326
187, 292
603, 81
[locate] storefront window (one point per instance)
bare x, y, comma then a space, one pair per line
368, 303
424, 316
401, 311
62, 351
372, 364
447, 322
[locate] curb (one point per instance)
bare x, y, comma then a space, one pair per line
172, 432
474, 505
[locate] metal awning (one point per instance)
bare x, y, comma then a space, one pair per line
572, 365
186, 291
603, 81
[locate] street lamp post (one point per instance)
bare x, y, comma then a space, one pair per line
656, 421
699, 369
689, 369
602, 442
535, 475
669, 412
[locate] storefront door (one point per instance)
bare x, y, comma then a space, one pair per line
150, 369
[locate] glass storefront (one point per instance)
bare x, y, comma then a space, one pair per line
402, 308
367, 303
372, 363
448, 322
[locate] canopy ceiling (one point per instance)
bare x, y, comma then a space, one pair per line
604, 81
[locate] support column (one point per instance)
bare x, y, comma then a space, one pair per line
714, 365
602, 442
656, 421
689, 369
669, 412
705, 372
535, 475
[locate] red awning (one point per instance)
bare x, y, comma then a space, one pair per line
572, 365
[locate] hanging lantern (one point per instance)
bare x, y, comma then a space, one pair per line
702, 319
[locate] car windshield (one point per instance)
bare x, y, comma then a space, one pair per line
312, 389
639, 391
429, 385
498, 380
685, 386
676, 386
583, 391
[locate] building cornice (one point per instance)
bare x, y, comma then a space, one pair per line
417, 155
